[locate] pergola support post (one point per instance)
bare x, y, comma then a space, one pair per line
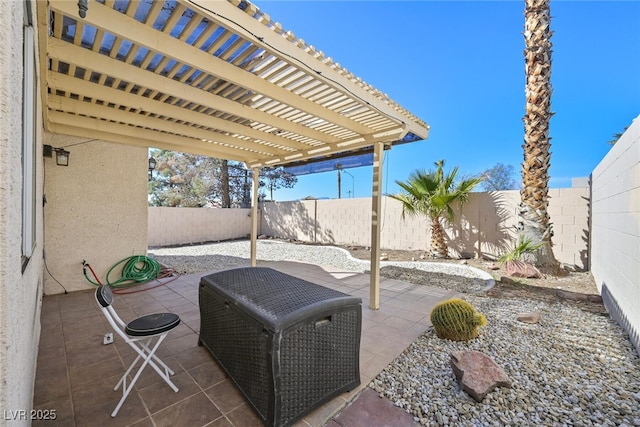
254, 217
376, 208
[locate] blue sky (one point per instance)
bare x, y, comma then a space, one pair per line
459, 66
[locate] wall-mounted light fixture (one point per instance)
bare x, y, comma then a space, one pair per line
152, 166
62, 155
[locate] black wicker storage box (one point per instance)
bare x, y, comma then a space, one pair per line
288, 344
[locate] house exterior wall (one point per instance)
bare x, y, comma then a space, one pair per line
616, 230
96, 209
20, 291
176, 226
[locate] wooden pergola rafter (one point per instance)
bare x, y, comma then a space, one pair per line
211, 77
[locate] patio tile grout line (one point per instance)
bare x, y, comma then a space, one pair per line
338, 283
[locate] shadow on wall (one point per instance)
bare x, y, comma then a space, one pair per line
481, 227
296, 221
461, 235
586, 238
497, 237
618, 315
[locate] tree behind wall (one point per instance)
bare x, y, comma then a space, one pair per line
273, 178
534, 221
499, 178
187, 180
617, 136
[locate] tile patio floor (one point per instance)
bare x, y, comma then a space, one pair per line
76, 372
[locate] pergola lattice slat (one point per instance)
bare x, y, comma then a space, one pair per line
255, 87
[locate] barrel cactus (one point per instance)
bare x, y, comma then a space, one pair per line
457, 320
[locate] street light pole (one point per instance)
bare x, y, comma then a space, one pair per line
353, 183
339, 168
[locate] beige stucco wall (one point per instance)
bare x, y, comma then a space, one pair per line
175, 226
485, 226
96, 209
616, 230
20, 292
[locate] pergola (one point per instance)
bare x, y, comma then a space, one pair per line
211, 77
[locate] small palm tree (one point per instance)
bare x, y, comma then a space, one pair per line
432, 194
522, 248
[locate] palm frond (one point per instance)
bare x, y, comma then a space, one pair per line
523, 246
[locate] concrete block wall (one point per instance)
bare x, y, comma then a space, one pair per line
485, 226
569, 211
175, 226
615, 240
410, 233
342, 222
497, 221
290, 220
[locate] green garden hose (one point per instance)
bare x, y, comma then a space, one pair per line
137, 269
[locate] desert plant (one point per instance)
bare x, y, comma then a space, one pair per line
457, 320
523, 246
432, 194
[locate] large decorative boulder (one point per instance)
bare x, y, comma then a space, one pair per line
477, 373
517, 268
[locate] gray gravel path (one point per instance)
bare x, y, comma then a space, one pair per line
214, 256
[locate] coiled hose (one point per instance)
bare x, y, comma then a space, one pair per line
136, 270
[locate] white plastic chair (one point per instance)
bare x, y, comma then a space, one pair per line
140, 334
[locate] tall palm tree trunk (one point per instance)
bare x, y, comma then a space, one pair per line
534, 217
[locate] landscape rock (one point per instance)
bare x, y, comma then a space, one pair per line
531, 317
477, 373
384, 257
573, 296
492, 266
595, 298
576, 296
508, 280
522, 269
